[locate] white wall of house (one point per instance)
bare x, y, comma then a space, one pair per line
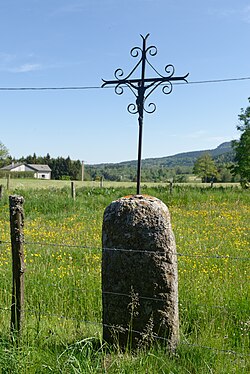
18, 168
43, 175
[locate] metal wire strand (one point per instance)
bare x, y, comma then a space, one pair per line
141, 251
127, 329
70, 88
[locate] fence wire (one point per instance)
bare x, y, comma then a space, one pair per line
122, 329
182, 305
136, 251
154, 299
143, 334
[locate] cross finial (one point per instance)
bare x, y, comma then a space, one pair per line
142, 88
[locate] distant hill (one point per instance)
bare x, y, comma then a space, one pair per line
188, 158
222, 153
159, 169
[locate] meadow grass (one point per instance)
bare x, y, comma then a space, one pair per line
26, 183
62, 332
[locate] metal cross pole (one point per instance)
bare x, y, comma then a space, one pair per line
139, 86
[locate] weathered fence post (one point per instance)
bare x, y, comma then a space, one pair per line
1, 191
17, 242
101, 182
73, 191
8, 182
171, 186
139, 274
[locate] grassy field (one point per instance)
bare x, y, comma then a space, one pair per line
62, 332
18, 183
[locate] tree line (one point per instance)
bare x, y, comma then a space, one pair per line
61, 168
66, 169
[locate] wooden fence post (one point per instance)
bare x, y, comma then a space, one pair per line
171, 187
1, 191
8, 182
17, 242
73, 191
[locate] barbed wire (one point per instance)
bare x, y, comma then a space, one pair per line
225, 308
127, 329
133, 251
64, 88
215, 256
182, 305
140, 297
122, 329
219, 350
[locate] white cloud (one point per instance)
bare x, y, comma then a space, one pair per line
15, 64
6, 57
238, 12
196, 135
25, 68
217, 139
73, 8
246, 14
69, 8
12, 66
202, 135
79, 6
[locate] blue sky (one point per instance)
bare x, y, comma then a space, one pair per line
58, 43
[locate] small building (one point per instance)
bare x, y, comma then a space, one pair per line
40, 171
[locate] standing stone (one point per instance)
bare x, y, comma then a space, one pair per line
139, 274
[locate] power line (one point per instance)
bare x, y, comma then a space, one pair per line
48, 88
65, 88
216, 80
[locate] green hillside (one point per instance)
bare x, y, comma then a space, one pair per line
177, 167
223, 151
160, 169
186, 158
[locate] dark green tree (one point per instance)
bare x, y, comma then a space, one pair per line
31, 159
5, 158
224, 173
205, 168
4, 153
242, 148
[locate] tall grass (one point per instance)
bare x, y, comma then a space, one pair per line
62, 332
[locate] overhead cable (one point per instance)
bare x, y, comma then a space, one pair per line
99, 87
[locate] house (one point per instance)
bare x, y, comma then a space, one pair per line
40, 171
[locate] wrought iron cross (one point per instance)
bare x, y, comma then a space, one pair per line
143, 87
